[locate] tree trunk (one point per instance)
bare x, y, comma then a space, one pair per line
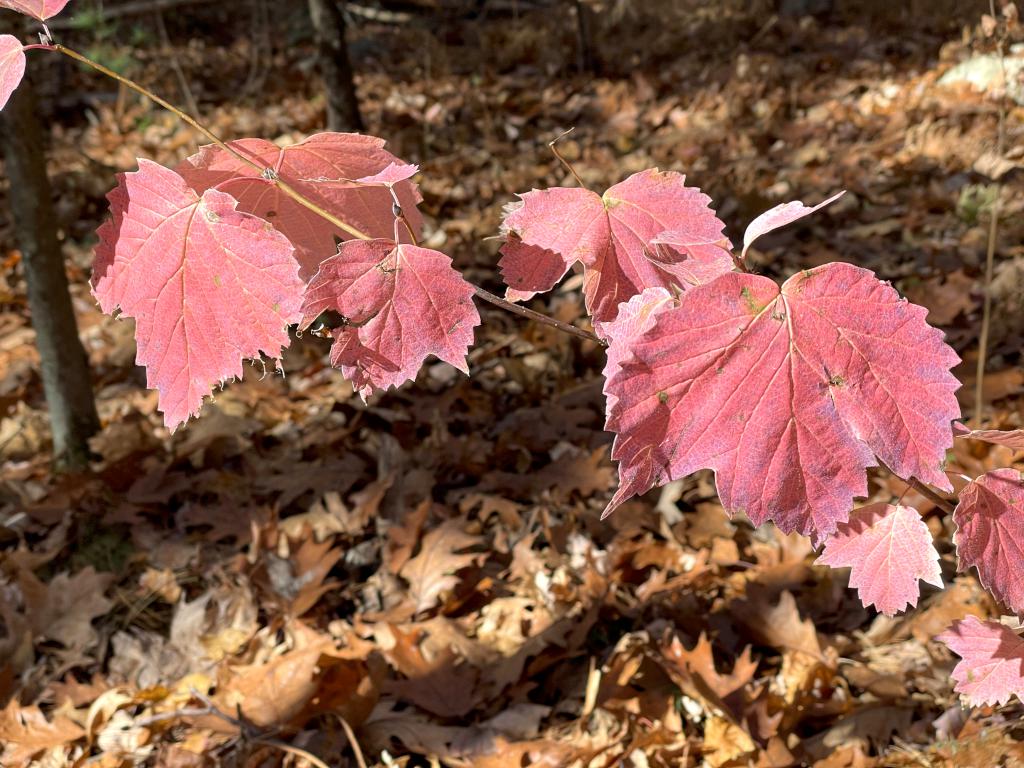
65, 369
586, 59
335, 66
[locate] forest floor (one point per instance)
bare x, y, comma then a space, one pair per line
426, 574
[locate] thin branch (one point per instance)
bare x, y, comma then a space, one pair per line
270, 175
538, 317
562, 160
944, 504
266, 173
993, 231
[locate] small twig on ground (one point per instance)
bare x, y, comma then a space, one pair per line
350, 734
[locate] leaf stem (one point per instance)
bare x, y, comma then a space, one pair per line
942, 503
538, 317
266, 173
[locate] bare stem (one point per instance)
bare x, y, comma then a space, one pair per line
990, 250
538, 317
944, 504
939, 501
562, 160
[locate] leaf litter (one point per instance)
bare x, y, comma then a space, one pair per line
429, 569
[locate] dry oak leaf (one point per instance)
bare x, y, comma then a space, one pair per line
787, 394
547, 231
696, 668
25, 732
991, 669
401, 304
293, 686
63, 609
319, 168
192, 271
888, 549
431, 573
990, 533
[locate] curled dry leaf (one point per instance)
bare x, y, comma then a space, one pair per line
431, 572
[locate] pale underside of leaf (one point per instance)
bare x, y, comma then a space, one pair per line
786, 395
992, 666
1013, 438
888, 549
12, 67
37, 9
780, 216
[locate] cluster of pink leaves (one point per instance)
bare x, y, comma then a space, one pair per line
788, 394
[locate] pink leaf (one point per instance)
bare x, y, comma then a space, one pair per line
693, 258
313, 168
12, 66
394, 173
785, 394
992, 666
37, 9
887, 549
635, 318
402, 303
780, 216
207, 285
611, 235
1011, 438
990, 533
530, 269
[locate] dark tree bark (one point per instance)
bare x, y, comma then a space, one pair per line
586, 58
335, 66
64, 364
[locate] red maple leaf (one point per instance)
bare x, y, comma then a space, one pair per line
401, 303
887, 548
990, 533
787, 394
326, 168
207, 285
611, 235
